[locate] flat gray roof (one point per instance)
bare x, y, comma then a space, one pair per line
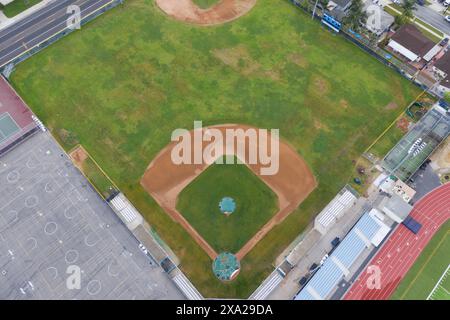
50, 218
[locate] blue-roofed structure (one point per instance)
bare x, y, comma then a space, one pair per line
366, 232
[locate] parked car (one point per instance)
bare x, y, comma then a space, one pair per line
420, 2
143, 248
447, 18
444, 42
325, 257
446, 3
303, 281
335, 242
313, 267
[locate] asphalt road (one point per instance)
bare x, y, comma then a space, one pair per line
32, 30
433, 18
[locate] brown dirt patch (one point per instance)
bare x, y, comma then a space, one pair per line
343, 103
298, 59
320, 125
391, 106
224, 11
79, 156
321, 84
403, 124
293, 182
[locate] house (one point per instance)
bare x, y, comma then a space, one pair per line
442, 69
395, 208
378, 21
410, 43
338, 8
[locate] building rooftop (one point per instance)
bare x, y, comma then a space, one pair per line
443, 64
412, 39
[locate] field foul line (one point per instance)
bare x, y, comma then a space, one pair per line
425, 264
438, 284
395, 121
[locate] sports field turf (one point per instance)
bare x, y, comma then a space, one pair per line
18, 6
123, 83
428, 269
255, 205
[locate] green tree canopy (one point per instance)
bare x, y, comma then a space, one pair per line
356, 16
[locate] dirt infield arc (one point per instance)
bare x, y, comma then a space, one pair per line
403, 248
294, 181
224, 11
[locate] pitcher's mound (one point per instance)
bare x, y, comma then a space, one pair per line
224, 11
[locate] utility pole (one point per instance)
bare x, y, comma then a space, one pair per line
314, 10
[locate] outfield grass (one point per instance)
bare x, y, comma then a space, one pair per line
425, 273
124, 82
205, 4
18, 6
255, 205
97, 178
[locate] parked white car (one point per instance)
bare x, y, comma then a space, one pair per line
446, 3
447, 18
143, 248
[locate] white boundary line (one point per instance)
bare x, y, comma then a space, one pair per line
439, 282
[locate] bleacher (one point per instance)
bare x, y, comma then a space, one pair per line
267, 286
337, 266
334, 211
186, 287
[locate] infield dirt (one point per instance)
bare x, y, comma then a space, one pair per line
224, 11
292, 184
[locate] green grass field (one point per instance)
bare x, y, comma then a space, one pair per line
18, 6
427, 271
124, 82
255, 205
205, 4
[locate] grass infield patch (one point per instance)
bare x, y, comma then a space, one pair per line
255, 205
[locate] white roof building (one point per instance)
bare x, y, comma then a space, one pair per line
334, 210
126, 211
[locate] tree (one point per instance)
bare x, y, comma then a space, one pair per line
356, 16
401, 20
447, 97
408, 8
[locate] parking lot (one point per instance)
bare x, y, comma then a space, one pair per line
52, 221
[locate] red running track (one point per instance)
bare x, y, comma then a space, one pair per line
403, 247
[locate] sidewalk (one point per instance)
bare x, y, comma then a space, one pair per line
6, 22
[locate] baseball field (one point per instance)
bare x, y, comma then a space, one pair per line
125, 81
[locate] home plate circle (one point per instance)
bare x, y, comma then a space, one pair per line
31, 201
94, 287
71, 256
13, 177
226, 266
50, 228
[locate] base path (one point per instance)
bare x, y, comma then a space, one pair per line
292, 183
403, 248
224, 11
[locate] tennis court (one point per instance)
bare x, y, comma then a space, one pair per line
418, 144
16, 119
8, 127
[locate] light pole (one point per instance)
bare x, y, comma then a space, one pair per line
314, 10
